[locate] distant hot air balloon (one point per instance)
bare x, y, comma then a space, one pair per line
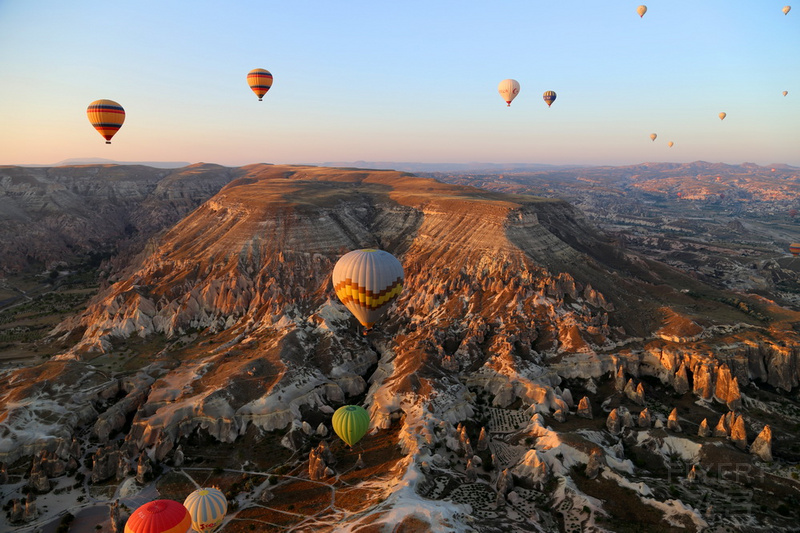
641, 10
367, 282
670, 144
259, 80
722, 116
350, 422
653, 136
106, 116
508, 89
794, 248
549, 97
785, 93
207, 507
159, 516
786, 9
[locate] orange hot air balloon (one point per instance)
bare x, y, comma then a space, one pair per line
794, 248
159, 516
260, 81
106, 116
722, 115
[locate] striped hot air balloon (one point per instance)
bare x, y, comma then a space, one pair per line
367, 282
549, 97
260, 81
207, 508
350, 422
159, 516
794, 248
106, 116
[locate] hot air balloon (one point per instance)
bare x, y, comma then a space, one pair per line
159, 516
785, 93
722, 116
367, 282
350, 422
207, 507
641, 10
106, 116
786, 9
794, 248
549, 97
508, 89
653, 136
259, 80
670, 144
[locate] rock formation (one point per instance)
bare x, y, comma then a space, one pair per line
613, 422
692, 475
672, 421
645, 420
704, 430
680, 381
483, 440
762, 446
144, 468
619, 380
585, 408
739, 433
596, 462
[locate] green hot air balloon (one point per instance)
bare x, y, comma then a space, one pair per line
350, 422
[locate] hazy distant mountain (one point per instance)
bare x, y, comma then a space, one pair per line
101, 161
444, 167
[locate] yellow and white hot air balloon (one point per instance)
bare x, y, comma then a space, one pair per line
670, 144
722, 116
641, 10
786, 9
508, 89
653, 136
367, 282
207, 507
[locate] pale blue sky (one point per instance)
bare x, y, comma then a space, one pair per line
402, 81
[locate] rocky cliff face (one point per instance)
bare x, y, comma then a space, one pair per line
51, 216
227, 327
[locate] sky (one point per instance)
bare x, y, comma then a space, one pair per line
402, 81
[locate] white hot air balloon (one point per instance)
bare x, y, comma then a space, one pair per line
508, 89
367, 282
207, 507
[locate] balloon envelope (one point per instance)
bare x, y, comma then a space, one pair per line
670, 144
106, 116
207, 507
549, 97
794, 248
722, 116
508, 89
159, 516
367, 282
260, 81
641, 10
786, 9
350, 422
653, 136
785, 93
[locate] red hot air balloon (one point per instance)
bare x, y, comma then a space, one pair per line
159, 516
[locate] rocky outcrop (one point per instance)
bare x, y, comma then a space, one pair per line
762, 446
319, 459
613, 422
723, 427
727, 389
584, 408
619, 380
672, 421
704, 430
144, 468
739, 433
645, 420
680, 382
483, 440
596, 462
692, 476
